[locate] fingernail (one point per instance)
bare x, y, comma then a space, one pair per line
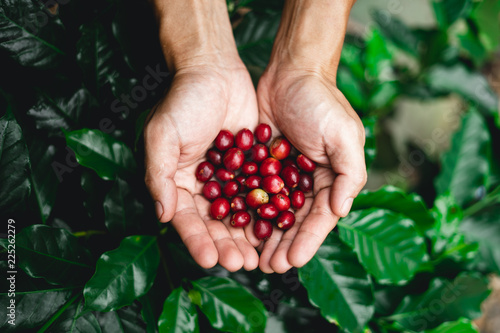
346, 207
159, 209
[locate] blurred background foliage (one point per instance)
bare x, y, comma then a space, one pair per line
423, 75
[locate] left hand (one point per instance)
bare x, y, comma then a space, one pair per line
308, 109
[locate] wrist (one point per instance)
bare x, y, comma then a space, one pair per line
310, 36
195, 33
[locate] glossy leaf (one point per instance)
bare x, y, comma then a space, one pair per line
460, 326
443, 301
465, 167
53, 254
338, 285
14, 164
387, 244
254, 37
483, 227
122, 210
52, 114
370, 143
448, 11
383, 95
392, 198
33, 308
228, 305
179, 314
95, 56
123, 275
101, 152
44, 182
448, 241
378, 59
472, 86
124, 320
29, 35
352, 88
485, 17
397, 32
74, 320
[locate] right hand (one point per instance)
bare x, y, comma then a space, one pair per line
201, 101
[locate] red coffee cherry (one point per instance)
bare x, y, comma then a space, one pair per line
263, 229
272, 184
290, 176
240, 219
280, 148
212, 190
270, 166
224, 140
249, 168
253, 182
280, 201
285, 220
263, 133
238, 203
231, 188
297, 199
224, 175
204, 171
258, 153
305, 183
244, 139
233, 159
214, 156
219, 209
306, 164
267, 211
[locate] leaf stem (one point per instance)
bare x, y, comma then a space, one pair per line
492, 197
59, 313
89, 233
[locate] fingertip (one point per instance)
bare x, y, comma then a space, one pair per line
280, 264
232, 261
165, 198
208, 259
298, 257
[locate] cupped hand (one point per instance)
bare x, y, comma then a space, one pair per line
316, 118
180, 129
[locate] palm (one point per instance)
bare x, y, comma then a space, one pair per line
180, 131
319, 122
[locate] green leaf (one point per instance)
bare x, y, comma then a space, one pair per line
123, 275
386, 243
29, 35
465, 167
73, 320
228, 305
52, 114
33, 308
383, 95
53, 254
448, 241
102, 153
98, 60
124, 320
44, 182
352, 57
122, 210
470, 43
352, 88
378, 59
397, 32
460, 326
395, 199
483, 227
14, 164
254, 37
338, 285
370, 144
448, 11
470, 85
179, 314
485, 17
444, 300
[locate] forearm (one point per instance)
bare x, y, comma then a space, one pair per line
311, 35
195, 32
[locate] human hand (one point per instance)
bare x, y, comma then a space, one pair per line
211, 90
180, 130
318, 120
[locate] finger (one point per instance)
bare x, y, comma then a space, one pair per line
268, 249
348, 162
313, 231
230, 256
161, 158
250, 256
193, 231
279, 260
250, 234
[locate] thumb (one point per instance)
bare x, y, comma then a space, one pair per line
348, 163
161, 158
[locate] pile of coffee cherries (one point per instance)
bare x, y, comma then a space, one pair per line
265, 181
